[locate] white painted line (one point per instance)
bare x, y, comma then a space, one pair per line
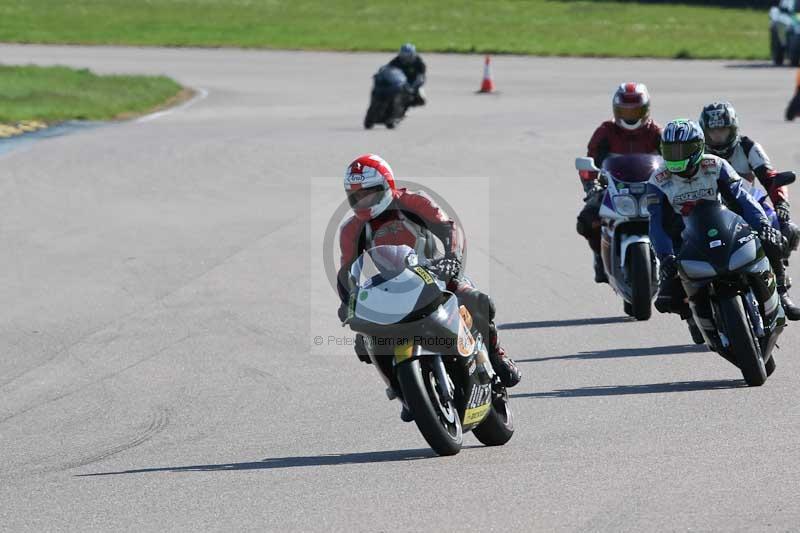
201, 94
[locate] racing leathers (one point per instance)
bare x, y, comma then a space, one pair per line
751, 162
415, 74
670, 194
414, 219
608, 140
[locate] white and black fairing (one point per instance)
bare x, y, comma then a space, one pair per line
397, 302
394, 291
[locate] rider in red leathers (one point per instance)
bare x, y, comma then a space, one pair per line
631, 132
384, 214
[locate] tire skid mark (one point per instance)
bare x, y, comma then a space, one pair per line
158, 421
99, 380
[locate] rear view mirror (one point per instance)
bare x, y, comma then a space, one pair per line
586, 163
784, 178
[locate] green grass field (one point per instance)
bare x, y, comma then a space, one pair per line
53, 94
542, 27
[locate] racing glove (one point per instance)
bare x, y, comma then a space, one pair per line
447, 268
770, 236
668, 269
343, 311
783, 210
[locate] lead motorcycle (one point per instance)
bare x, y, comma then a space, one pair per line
427, 349
628, 258
730, 286
389, 99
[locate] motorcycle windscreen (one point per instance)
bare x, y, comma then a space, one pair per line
632, 168
399, 289
714, 234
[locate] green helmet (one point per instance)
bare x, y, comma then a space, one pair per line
682, 145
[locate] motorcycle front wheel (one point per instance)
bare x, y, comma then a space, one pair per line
640, 277
742, 340
498, 426
436, 418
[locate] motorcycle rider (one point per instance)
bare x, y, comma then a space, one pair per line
409, 61
688, 176
384, 214
721, 129
631, 132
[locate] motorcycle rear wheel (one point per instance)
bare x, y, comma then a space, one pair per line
437, 420
742, 341
498, 426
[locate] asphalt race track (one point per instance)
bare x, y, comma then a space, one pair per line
161, 285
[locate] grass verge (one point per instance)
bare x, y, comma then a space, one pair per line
54, 94
542, 27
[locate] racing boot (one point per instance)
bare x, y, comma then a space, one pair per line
791, 310
406, 415
599, 270
503, 365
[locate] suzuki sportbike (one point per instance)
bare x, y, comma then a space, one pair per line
427, 349
731, 289
628, 258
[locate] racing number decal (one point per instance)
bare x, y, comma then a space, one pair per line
421, 272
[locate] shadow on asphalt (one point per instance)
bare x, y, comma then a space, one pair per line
751, 65
292, 462
652, 388
567, 323
622, 352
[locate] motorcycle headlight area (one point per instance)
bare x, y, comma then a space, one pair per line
626, 205
643, 211
697, 269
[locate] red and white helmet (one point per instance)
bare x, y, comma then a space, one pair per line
369, 184
631, 105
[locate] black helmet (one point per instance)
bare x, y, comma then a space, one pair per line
721, 128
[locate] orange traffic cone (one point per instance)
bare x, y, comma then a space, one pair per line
487, 85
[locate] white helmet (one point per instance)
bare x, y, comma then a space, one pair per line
369, 184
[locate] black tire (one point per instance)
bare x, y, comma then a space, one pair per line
416, 378
694, 331
743, 345
639, 274
498, 426
770, 366
776, 48
793, 49
627, 307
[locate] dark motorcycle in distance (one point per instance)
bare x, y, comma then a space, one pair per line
390, 98
730, 286
427, 350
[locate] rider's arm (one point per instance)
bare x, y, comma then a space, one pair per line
763, 169
656, 203
435, 220
599, 146
730, 186
349, 245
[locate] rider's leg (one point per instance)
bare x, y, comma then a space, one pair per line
588, 226
482, 309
